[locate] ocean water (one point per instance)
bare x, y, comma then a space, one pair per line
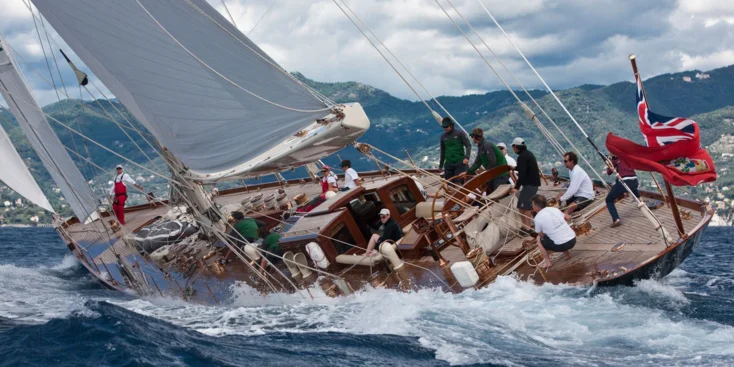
52, 313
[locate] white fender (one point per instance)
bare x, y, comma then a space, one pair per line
251, 252
291, 263
465, 273
388, 250
300, 259
317, 255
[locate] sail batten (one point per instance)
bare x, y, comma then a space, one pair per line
209, 95
32, 121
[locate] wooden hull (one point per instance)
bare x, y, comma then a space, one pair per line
662, 265
644, 256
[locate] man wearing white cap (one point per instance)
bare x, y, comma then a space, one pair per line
118, 192
389, 230
528, 180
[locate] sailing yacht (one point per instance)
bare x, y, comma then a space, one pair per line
221, 109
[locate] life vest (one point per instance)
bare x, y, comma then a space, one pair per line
120, 188
325, 184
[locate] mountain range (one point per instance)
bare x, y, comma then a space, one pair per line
399, 125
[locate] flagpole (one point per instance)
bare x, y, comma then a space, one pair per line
671, 196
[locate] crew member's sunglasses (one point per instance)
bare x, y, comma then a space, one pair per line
383, 215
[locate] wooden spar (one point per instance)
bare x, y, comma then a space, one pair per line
671, 195
637, 74
410, 159
340, 158
541, 174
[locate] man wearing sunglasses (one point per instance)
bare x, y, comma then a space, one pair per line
580, 192
328, 181
389, 230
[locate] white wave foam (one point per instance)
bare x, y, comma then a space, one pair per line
656, 288
491, 325
32, 296
69, 261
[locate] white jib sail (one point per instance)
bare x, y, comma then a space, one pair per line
24, 106
16, 175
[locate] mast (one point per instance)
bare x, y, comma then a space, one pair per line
668, 188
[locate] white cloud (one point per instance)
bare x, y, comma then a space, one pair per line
571, 42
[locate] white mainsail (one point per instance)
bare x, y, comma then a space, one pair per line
209, 95
24, 106
16, 175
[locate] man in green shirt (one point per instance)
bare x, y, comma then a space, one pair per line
272, 251
245, 228
488, 156
455, 151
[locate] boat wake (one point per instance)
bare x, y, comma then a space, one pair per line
544, 323
685, 319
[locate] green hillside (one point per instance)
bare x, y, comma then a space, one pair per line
399, 125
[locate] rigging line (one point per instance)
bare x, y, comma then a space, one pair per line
52, 161
427, 173
603, 157
220, 74
537, 122
91, 95
404, 67
259, 20
543, 81
316, 94
140, 133
230, 14
354, 246
79, 101
48, 66
125, 132
526, 92
92, 140
384, 57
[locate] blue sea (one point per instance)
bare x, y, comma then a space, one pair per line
52, 313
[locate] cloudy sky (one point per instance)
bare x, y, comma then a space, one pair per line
571, 42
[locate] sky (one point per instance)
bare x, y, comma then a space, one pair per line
570, 42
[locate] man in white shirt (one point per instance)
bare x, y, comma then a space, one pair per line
118, 192
580, 192
510, 161
351, 178
554, 234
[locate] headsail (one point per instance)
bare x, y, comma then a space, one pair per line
25, 108
15, 174
213, 100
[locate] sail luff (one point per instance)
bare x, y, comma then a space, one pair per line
15, 174
213, 100
32, 121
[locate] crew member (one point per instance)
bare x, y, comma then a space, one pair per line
118, 192
245, 228
580, 192
389, 230
328, 181
351, 178
510, 161
528, 180
554, 234
630, 178
488, 156
455, 151
272, 252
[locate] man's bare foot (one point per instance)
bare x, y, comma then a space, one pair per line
617, 223
567, 254
545, 264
